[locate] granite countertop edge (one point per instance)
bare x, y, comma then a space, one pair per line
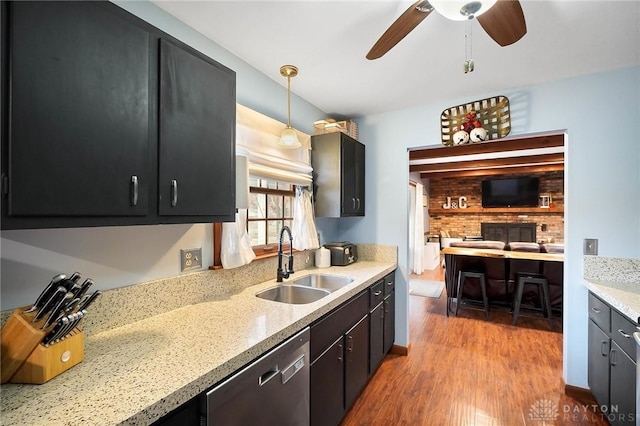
623, 296
138, 373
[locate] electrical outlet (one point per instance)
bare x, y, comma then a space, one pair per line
190, 259
590, 247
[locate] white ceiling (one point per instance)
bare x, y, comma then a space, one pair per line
328, 41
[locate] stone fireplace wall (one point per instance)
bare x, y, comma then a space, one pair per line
465, 222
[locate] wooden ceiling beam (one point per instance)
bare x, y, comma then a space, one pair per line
493, 172
499, 145
489, 163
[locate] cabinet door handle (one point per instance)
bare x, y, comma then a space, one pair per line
596, 310
353, 203
134, 190
604, 349
340, 353
377, 293
350, 343
174, 193
358, 203
612, 358
625, 335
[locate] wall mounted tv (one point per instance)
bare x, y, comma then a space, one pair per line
513, 192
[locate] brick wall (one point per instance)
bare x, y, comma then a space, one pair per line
461, 224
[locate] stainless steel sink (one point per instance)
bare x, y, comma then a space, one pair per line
292, 294
323, 281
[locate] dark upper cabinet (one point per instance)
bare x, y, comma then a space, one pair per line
106, 120
78, 112
197, 121
339, 175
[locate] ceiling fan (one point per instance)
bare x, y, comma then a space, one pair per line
503, 20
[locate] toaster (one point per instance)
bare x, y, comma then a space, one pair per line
342, 253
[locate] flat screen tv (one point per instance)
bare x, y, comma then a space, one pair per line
513, 192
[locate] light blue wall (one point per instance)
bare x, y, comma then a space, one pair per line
602, 180
119, 256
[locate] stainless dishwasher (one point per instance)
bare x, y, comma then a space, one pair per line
273, 390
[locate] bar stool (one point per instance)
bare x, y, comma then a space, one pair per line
462, 277
541, 282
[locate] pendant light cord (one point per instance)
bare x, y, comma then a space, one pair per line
288, 100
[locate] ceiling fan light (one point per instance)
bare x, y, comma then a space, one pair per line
289, 138
453, 9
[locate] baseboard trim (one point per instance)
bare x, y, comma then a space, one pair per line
400, 350
581, 394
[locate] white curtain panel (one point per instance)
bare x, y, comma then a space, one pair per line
418, 231
305, 233
236, 248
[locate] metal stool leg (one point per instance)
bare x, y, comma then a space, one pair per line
459, 292
518, 299
547, 301
485, 299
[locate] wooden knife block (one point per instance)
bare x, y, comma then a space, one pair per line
26, 360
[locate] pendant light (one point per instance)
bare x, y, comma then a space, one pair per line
288, 137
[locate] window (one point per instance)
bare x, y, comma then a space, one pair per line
270, 208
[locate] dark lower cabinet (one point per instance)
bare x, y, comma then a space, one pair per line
376, 344
598, 364
356, 369
611, 368
389, 321
347, 346
623, 384
327, 386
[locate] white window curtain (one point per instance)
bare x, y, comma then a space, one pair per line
418, 230
235, 249
305, 233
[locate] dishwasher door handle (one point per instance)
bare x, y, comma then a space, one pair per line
264, 378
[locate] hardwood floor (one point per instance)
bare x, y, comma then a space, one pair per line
468, 371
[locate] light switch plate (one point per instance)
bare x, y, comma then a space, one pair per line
590, 247
190, 259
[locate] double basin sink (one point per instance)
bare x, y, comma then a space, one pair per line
307, 289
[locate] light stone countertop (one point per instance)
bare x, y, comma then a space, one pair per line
625, 297
139, 372
616, 281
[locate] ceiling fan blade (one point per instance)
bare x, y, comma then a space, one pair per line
400, 28
504, 22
